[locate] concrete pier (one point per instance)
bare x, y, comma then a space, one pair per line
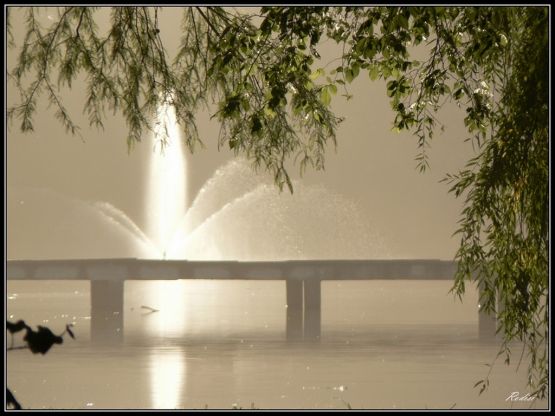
487, 322
294, 309
107, 311
312, 295
304, 309
303, 280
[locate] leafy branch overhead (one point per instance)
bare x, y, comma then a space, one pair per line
262, 76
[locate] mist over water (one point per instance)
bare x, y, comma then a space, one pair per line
385, 344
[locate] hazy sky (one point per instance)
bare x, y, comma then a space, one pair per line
372, 166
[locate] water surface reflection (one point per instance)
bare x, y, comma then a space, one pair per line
167, 377
215, 344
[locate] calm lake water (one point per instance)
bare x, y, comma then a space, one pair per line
220, 344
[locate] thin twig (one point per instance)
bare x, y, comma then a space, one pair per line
21, 347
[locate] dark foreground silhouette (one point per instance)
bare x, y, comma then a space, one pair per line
39, 341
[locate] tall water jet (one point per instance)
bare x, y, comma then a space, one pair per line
167, 187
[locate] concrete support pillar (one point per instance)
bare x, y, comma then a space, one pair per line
312, 309
106, 311
487, 322
294, 311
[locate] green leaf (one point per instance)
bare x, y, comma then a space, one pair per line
391, 88
245, 105
269, 112
374, 72
403, 21
318, 73
349, 75
458, 93
356, 69
325, 96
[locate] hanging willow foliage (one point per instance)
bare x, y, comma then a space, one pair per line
260, 71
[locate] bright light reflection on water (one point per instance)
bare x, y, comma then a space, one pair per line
167, 372
384, 345
167, 299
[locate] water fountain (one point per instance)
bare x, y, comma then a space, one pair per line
237, 215
240, 215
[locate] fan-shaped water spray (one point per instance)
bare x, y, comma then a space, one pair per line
66, 227
263, 224
229, 182
121, 219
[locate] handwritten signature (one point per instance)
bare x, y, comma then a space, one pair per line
516, 397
